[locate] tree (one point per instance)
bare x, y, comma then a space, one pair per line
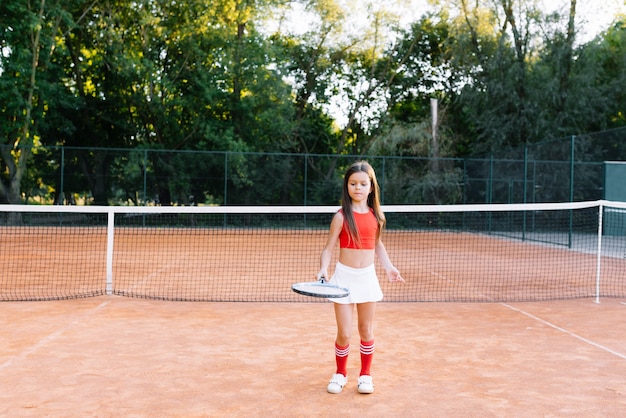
333, 68
608, 51
427, 72
22, 100
156, 74
496, 105
519, 68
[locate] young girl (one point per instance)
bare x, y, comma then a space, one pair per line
357, 226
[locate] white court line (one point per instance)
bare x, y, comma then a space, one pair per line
49, 338
571, 334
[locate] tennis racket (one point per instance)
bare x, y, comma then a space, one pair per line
320, 289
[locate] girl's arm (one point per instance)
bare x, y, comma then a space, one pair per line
392, 273
335, 229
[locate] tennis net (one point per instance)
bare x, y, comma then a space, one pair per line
460, 253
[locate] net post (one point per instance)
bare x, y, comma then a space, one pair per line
109, 262
599, 251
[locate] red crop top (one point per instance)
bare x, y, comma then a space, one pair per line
367, 224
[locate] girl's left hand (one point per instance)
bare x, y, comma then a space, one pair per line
394, 275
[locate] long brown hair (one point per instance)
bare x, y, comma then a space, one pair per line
373, 201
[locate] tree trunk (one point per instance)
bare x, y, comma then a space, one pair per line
25, 142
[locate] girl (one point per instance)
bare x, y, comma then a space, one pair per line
357, 226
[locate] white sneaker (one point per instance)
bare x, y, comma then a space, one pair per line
336, 384
365, 384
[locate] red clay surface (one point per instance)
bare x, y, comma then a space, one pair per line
111, 356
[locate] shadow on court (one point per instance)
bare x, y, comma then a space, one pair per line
121, 357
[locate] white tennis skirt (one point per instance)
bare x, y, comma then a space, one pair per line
361, 282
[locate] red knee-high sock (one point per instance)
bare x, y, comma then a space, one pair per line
367, 354
341, 357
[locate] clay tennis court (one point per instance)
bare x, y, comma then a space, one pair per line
111, 356
272, 355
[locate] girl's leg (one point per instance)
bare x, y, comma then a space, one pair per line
366, 313
343, 316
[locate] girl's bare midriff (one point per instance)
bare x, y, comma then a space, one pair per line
356, 258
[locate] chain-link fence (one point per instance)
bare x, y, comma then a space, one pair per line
569, 169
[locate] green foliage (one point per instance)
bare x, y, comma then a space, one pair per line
609, 51
200, 77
